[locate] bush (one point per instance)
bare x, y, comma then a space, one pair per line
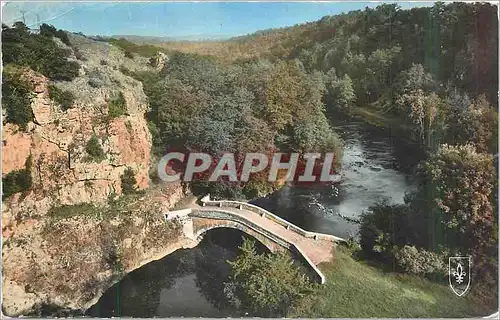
129, 55
17, 180
38, 51
419, 261
50, 31
125, 71
103, 63
94, 150
79, 55
63, 97
128, 181
16, 98
382, 227
117, 107
266, 285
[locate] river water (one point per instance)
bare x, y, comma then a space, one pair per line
190, 282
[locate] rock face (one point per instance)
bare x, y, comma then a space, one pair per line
158, 61
66, 259
56, 141
68, 262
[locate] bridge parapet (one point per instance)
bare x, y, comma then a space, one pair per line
206, 201
222, 214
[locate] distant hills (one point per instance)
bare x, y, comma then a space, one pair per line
151, 40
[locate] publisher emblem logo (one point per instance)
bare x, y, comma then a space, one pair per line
459, 274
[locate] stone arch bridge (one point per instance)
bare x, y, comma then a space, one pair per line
272, 231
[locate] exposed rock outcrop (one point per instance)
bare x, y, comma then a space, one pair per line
158, 60
68, 258
61, 171
70, 262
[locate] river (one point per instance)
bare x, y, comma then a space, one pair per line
190, 282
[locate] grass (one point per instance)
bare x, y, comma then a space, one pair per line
354, 289
376, 117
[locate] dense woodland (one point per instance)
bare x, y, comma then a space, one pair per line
434, 70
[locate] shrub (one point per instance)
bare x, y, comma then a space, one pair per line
63, 97
129, 55
38, 51
128, 181
94, 150
16, 98
266, 285
103, 62
50, 31
382, 227
125, 71
419, 261
79, 55
117, 107
128, 125
17, 180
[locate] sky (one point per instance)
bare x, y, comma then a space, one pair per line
176, 19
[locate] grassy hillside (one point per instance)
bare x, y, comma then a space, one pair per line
355, 289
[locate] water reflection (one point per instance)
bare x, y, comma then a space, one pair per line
186, 283
190, 282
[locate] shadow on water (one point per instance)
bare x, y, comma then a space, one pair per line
188, 282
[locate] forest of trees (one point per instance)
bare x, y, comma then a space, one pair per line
199, 104
433, 69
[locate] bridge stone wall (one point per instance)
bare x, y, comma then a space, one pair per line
263, 212
197, 221
202, 225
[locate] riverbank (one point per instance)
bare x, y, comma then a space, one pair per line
62, 263
356, 289
372, 115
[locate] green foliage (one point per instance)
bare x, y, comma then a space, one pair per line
17, 180
117, 107
130, 47
129, 55
420, 261
457, 185
64, 98
37, 51
128, 181
50, 31
266, 285
356, 43
383, 227
68, 211
94, 150
200, 104
355, 289
16, 99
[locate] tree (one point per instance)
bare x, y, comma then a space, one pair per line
266, 285
64, 98
39, 52
117, 107
458, 183
128, 181
383, 227
16, 98
346, 94
473, 122
94, 149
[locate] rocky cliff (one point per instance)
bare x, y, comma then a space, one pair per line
64, 242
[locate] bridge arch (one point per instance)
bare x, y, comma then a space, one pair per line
267, 243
